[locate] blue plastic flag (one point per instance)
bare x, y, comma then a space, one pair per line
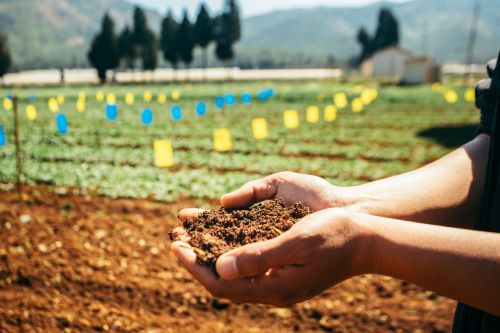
62, 123
270, 93
111, 112
263, 96
3, 141
246, 98
147, 117
230, 100
219, 102
10, 96
32, 98
201, 109
176, 113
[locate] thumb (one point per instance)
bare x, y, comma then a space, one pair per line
256, 259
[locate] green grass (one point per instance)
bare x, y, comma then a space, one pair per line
116, 158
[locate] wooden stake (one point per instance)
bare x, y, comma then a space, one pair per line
18, 149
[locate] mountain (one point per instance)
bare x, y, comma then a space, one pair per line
55, 33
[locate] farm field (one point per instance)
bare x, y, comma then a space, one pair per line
87, 249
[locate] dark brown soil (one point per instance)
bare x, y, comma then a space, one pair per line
82, 263
216, 232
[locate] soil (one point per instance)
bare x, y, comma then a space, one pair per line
77, 262
215, 232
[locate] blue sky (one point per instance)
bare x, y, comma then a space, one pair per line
249, 7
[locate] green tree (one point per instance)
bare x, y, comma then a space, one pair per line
126, 47
185, 41
366, 44
203, 32
169, 28
150, 52
227, 31
103, 54
144, 40
5, 57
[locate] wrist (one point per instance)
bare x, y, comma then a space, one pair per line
350, 198
364, 244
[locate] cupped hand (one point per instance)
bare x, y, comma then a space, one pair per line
321, 250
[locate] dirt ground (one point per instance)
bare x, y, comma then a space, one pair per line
82, 263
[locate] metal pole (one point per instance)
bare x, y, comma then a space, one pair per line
18, 149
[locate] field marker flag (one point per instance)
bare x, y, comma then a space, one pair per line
451, 96
62, 123
201, 108
357, 105
437, 87
147, 96
129, 98
147, 117
111, 112
312, 114
80, 105
222, 140
53, 105
367, 96
3, 140
32, 98
176, 95
7, 104
99, 96
340, 100
291, 119
330, 113
111, 99
176, 113
219, 102
60, 99
246, 98
31, 112
470, 95
358, 89
81, 95
164, 153
259, 128
230, 100
162, 98
263, 95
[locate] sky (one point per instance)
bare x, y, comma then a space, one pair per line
249, 7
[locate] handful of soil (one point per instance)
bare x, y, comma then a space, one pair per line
216, 232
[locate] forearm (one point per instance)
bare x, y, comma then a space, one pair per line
447, 192
457, 263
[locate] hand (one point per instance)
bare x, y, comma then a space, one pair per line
321, 250
487, 90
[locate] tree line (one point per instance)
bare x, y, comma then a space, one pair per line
176, 42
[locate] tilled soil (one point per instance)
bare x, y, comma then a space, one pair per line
215, 232
82, 263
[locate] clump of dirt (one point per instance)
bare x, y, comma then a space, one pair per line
216, 232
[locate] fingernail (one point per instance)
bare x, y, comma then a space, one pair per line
226, 267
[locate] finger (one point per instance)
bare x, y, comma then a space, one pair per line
190, 213
491, 67
188, 258
250, 193
256, 259
180, 234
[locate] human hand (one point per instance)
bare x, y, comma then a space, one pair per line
321, 250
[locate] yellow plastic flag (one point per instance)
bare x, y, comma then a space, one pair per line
111, 98
222, 140
470, 95
148, 96
129, 98
357, 105
259, 127
330, 113
53, 105
358, 89
164, 153
7, 104
176, 95
451, 96
60, 99
81, 95
99, 96
437, 87
162, 98
31, 112
80, 105
312, 114
340, 100
291, 119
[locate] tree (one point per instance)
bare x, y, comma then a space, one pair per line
103, 54
169, 28
144, 41
150, 52
185, 41
366, 44
5, 57
227, 31
203, 31
126, 47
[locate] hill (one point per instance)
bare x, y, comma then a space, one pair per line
48, 33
